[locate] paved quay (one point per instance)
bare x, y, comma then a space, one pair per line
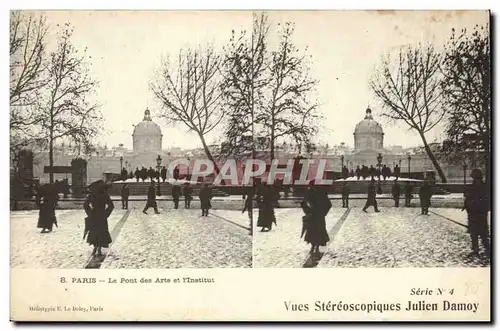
63, 248
282, 247
399, 237
172, 239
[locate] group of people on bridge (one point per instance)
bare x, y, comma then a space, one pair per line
365, 172
145, 173
425, 194
205, 195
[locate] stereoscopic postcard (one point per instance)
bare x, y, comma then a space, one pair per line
250, 165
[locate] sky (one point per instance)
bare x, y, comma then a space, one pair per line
127, 46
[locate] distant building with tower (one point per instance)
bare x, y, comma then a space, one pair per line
147, 145
147, 140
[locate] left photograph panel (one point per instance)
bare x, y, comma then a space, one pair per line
121, 129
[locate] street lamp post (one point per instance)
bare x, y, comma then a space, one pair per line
409, 161
121, 168
342, 175
158, 165
379, 160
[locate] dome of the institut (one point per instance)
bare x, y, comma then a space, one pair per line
147, 134
368, 124
368, 133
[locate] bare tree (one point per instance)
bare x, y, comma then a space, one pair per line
244, 70
190, 92
27, 51
287, 110
467, 91
65, 109
27, 77
410, 91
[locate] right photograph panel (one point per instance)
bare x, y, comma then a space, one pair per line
371, 139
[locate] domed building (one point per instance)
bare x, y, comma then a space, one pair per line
368, 134
147, 136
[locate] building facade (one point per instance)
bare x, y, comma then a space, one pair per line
147, 146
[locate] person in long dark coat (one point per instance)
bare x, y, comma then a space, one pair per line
385, 172
345, 172
358, 172
205, 199
144, 174
266, 209
46, 200
98, 207
164, 174
248, 206
137, 173
124, 174
125, 193
188, 195
371, 199
396, 192
372, 172
65, 188
397, 171
176, 194
151, 203
345, 195
425, 194
365, 172
477, 204
151, 173
316, 206
408, 194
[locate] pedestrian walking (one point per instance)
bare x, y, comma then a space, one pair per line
98, 207
408, 194
385, 172
137, 174
345, 172
396, 192
425, 194
248, 207
372, 171
205, 199
125, 193
124, 174
265, 202
316, 206
151, 173
358, 172
46, 200
151, 202
477, 204
397, 171
345, 196
188, 195
176, 194
371, 199
144, 174
164, 174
